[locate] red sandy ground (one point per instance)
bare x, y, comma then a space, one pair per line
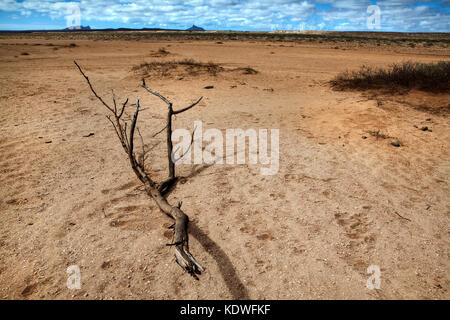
338, 204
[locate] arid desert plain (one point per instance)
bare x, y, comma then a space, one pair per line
344, 198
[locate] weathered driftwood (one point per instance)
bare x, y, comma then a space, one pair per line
154, 190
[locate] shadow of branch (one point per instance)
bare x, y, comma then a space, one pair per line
169, 185
227, 270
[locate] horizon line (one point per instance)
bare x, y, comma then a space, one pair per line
215, 30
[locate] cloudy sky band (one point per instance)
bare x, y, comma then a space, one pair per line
264, 15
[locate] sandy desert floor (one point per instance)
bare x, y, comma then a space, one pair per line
338, 204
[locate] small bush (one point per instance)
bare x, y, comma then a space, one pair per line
424, 76
160, 53
163, 51
246, 70
186, 67
166, 68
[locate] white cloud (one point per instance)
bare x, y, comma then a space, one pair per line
396, 15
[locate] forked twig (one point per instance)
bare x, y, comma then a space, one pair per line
170, 114
181, 238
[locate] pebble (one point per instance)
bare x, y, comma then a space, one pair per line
208, 87
395, 144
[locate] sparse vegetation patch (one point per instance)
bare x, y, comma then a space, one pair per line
186, 67
161, 52
434, 77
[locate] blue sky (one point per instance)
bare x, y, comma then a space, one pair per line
265, 15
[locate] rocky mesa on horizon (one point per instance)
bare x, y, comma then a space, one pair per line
195, 28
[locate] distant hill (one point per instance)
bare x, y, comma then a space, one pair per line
195, 28
88, 28
77, 28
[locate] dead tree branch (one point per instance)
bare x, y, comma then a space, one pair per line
187, 150
170, 114
189, 107
126, 137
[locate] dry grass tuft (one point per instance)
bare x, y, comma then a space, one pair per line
434, 77
182, 67
246, 70
186, 67
161, 52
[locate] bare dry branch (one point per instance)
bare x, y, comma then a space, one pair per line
123, 109
398, 214
189, 107
189, 148
142, 163
92, 89
114, 101
170, 114
160, 131
156, 93
181, 239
